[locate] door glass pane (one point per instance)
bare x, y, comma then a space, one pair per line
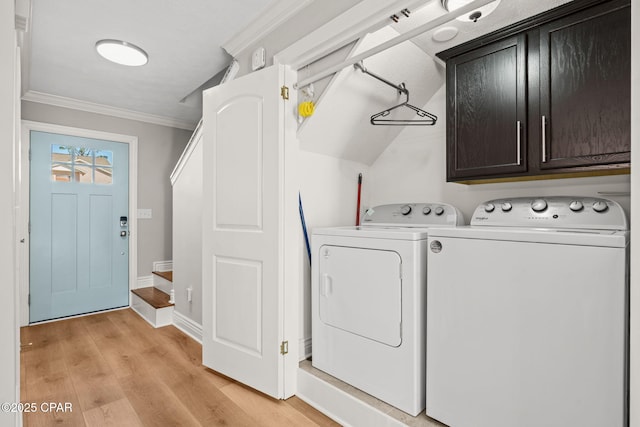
83, 154
61, 172
83, 173
104, 158
104, 175
61, 153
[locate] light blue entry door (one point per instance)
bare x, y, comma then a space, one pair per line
79, 244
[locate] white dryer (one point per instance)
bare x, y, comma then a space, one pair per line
527, 315
368, 300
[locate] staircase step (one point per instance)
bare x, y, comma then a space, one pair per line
153, 306
153, 296
167, 275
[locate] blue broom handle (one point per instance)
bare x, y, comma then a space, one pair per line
304, 227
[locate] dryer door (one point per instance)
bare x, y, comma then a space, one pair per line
360, 292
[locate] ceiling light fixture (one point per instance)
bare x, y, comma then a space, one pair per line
451, 5
122, 52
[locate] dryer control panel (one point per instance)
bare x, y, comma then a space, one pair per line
551, 212
413, 215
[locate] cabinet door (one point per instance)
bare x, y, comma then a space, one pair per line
585, 78
486, 120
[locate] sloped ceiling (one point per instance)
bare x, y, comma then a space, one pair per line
341, 124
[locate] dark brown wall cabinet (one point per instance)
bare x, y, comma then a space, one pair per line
549, 95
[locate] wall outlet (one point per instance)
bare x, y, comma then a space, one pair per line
144, 214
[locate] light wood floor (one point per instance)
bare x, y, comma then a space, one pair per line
116, 370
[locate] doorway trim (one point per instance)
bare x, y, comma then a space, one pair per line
22, 216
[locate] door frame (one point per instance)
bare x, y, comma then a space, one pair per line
22, 216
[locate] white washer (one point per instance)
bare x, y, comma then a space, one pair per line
368, 300
527, 315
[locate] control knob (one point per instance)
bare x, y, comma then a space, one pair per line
506, 207
539, 205
576, 205
600, 206
439, 210
426, 210
405, 210
489, 207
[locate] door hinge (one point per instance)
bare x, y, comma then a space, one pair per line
29, 227
29, 154
284, 347
29, 299
284, 92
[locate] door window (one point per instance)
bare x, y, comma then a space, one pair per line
81, 164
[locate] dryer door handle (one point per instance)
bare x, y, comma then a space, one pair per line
326, 285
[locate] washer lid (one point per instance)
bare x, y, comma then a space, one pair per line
581, 237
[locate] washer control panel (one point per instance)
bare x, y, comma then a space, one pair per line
413, 215
552, 212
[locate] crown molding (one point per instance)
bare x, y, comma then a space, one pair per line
276, 13
76, 104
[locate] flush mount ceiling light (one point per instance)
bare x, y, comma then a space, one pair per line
451, 5
121, 52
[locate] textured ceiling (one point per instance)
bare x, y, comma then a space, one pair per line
182, 38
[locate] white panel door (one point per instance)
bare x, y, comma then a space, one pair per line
244, 230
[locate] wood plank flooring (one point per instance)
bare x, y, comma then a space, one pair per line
116, 370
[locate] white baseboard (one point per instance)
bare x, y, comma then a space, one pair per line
304, 348
144, 282
339, 405
188, 326
162, 266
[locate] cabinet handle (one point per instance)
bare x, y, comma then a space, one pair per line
518, 142
544, 139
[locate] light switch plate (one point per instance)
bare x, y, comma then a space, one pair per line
258, 59
144, 214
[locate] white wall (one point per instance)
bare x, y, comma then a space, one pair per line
413, 169
159, 148
9, 335
187, 236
